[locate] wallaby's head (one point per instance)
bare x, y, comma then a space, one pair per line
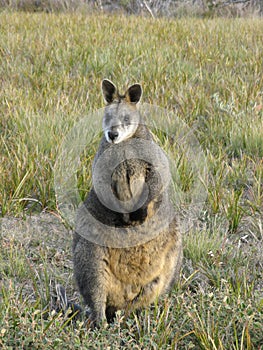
121, 117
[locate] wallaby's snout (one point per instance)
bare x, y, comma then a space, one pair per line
113, 135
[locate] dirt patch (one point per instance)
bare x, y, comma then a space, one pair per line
44, 228
36, 256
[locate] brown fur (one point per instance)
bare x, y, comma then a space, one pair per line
109, 278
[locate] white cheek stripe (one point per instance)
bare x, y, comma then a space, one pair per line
123, 134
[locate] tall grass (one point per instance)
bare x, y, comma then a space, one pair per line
52, 65
210, 73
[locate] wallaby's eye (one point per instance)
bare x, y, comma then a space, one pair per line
126, 119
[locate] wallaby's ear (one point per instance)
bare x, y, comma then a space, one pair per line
109, 90
134, 93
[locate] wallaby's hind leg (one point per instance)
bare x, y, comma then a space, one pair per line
95, 298
89, 275
148, 294
98, 313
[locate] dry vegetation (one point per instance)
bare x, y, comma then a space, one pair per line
210, 72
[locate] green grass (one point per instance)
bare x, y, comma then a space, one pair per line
210, 73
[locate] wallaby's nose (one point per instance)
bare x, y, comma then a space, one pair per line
113, 135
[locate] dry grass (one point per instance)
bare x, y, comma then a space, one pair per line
210, 72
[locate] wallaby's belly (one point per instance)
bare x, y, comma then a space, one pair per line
136, 264
126, 283
147, 269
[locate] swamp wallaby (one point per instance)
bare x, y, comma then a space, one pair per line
119, 276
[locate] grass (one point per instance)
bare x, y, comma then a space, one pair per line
210, 73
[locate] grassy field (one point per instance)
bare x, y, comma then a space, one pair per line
210, 73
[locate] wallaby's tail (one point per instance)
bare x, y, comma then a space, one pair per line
72, 310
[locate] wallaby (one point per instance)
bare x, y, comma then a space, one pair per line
126, 278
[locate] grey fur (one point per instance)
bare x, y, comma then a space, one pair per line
128, 278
